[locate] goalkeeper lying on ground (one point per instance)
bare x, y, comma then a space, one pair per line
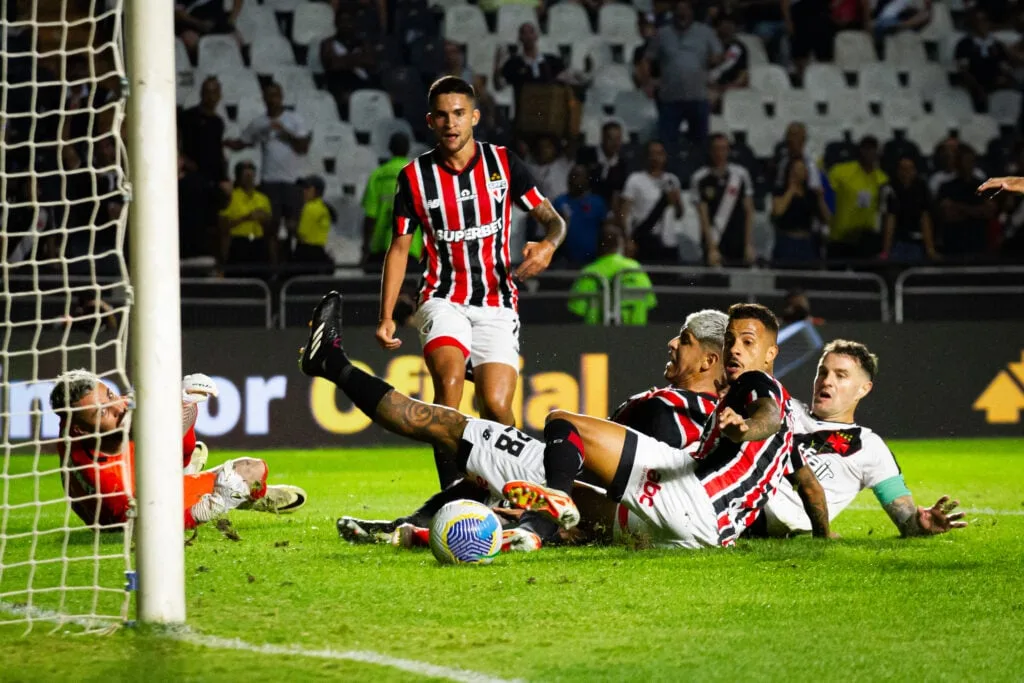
99, 461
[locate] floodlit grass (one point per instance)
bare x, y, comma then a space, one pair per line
867, 607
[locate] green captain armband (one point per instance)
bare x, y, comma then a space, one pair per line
890, 489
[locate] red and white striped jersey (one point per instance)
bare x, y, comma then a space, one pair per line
673, 416
466, 218
739, 478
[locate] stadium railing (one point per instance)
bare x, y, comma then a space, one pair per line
545, 298
836, 294
226, 302
965, 293
301, 293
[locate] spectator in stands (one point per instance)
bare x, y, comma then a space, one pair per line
314, 228
201, 131
983, 63
651, 207
795, 147
732, 72
28, 235
764, 17
944, 163
245, 221
797, 309
811, 32
454, 64
607, 168
891, 16
797, 209
378, 206
907, 234
349, 62
194, 237
638, 291
683, 51
199, 18
284, 140
584, 213
725, 205
525, 63
857, 186
963, 215
550, 166
645, 73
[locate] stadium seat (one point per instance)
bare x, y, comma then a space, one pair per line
615, 77
256, 22
825, 82
978, 131
717, 124
770, 79
743, 109
853, 49
354, 167
763, 136
319, 107
879, 82
313, 22
900, 112
796, 105
568, 24
638, 113
269, 52
927, 79
1008, 37
1005, 107
284, 5
249, 108
875, 126
296, 81
383, 129
905, 50
219, 53
617, 24
927, 132
947, 49
510, 18
462, 21
333, 136
940, 24
182, 63
952, 105
591, 54
366, 107
756, 53
480, 52
236, 84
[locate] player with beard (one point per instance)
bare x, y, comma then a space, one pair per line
848, 458
708, 496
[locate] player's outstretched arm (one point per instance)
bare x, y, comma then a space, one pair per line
764, 421
395, 263
813, 497
537, 255
1007, 183
912, 520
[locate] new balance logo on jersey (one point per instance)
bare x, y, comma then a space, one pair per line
469, 234
652, 484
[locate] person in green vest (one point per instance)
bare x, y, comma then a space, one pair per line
611, 261
378, 205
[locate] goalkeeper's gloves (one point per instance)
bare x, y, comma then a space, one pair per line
229, 491
197, 388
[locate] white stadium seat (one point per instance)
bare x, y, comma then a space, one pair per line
182, 63
269, 52
717, 124
770, 79
613, 77
511, 17
952, 105
368, 106
875, 126
947, 49
1004, 106
853, 49
236, 84
638, 112
743, 109
763, 136
313, 22
617, 24
940, 24
568, 23
296, 82
905, 50
480, 52
825, 82
284, 5
978, 131
217, 53
901, 112
256, 22
756, 54
354, 167
796, 106
927, 132
928, 79
380, 135
462, 21
878, 81
330, 137
318, 107
595, 50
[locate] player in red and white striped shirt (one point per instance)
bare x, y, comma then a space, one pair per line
461, 194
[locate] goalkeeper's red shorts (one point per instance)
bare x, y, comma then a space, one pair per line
197, 486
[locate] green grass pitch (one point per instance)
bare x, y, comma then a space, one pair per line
868, 607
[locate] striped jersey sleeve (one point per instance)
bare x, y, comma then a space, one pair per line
522, 184
673, 416
405, 219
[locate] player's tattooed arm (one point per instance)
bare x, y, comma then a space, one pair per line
436, 425
813, 497
764, 421
912, 520
537, 255
554, 224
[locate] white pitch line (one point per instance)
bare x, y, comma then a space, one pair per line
970, 511
214, 642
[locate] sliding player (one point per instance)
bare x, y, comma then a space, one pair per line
707, 499
99, 462
848, 458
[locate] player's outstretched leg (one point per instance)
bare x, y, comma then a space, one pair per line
279, 498
563, 461
324, 356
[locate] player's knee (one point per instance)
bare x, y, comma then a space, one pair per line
495, 405
448, 388
556, 415
252, 470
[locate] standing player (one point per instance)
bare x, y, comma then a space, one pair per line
848, 458
707, 498
98, 463
461, 194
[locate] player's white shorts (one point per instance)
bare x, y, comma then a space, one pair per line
662, 498
485, 334
499, 454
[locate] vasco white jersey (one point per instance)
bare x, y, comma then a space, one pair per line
846, 458
496, 454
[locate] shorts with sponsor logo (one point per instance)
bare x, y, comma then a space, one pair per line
661, 496
484, 334
496, 454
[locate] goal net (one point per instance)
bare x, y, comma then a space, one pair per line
65, 297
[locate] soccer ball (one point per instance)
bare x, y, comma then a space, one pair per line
465, 531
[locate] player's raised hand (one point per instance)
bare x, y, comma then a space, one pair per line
197, 387
536, 258
386, 335
1008, 183
733, 425
940, 518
